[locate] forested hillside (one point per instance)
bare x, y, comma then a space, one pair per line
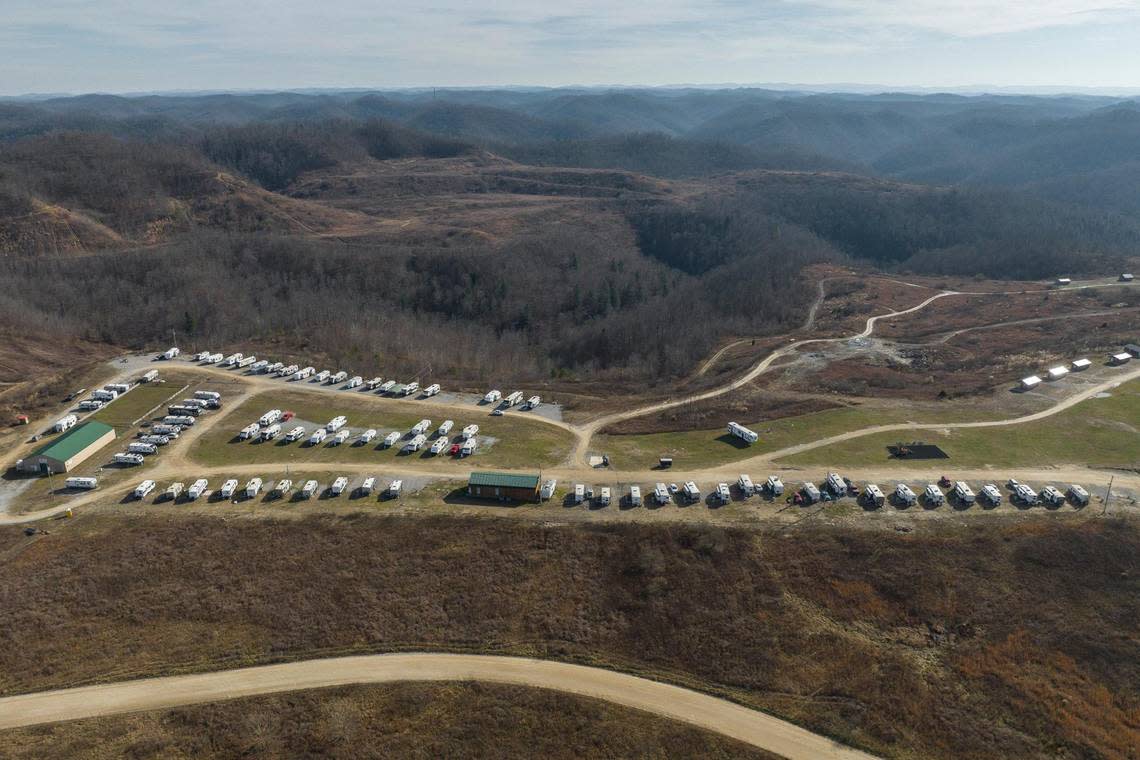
561, 233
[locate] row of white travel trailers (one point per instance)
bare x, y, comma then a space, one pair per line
297, 372
511, 399
961, 492
254, 486
663, 493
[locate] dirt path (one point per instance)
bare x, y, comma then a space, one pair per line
719, 715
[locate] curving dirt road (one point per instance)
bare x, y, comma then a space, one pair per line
719, 715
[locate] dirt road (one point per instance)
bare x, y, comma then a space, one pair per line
724, 717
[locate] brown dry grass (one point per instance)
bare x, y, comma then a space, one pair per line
892, 642
414, 720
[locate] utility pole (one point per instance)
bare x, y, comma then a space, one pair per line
1107, 495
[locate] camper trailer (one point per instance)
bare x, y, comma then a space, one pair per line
374, 383
387, 386
691, 492
432, 390
322, 376
744, 483
1056, 373
139, 447
470, 432
579, 493
367, 486
267, 419
421, 427
143, 489
305, 373
228, 489
339, 485
1078, 495
836, 485
339, 377
249, 431
810, 493
415, 444
173, 491
367, 436
963, 493
467, 448
723, 495
390, 439
309, 489
126, 458
774, 485
271, 432
604, 497
259, 366
246, 361
873, 495
336, 423
990, 494
149, 376
743, 433
355, 381
933, 495
340, 437
492, 396
533, 402
1025, 495
1029, 383
1080, 365
514, 398
318, 437
1052, 496
438, 445
282, 489
252, 488
635, 496
410, 389
232, 360
85, 484
64, 424
295, 434
904, 496
661, 494
290, 371
171, 352
445, 428
547, 490
155, 440
394, 488
197, 488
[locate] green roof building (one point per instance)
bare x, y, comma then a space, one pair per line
64, 453
503, 486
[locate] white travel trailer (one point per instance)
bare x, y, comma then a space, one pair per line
579, 493
1080, 365
432, 390
635, 496
394, 488
933, 495
295, 434
470, 432
1078, 495
232, 360
904, 495
271, 432
155, 440
252, 488
339, 485
197, 488
810, 493
90, 405
173, 491
171, 352
492, 396
201, 356
85, 484
125, 458
247, 361
991, 494
533, 402
604, 497
547, 490
438, 445
1029, 383
291, 370
367, 486
102, 394
774, 485
374, 383
317, 437
249, 431
197, 403
445, 428
339, 377
416, 443
367, 436
143, 489
336, 423
1025, 494
963, 493
140, 447
309, 489
65, 423
304, 373
661, 494
229, 488
743, 433
259, 366
1056, 373
744, 483
872, 494
723, 495
1052, 496
170, 431
273, 415
282, 488
514, 399
387, 385
421, 427
390, 439
355, 381
467, 448
275, 368
340, 437
322, 376
410, 388
149, 376
214, 359
692, 493
178, 419
119, 388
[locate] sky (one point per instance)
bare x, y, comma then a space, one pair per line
77, 46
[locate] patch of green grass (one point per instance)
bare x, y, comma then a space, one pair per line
1100, 432
518, 441
140, 400
708, 448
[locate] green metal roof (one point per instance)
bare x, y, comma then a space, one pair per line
73, 441
503, 480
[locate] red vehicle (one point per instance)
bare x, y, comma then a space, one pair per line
455, 449
287, 416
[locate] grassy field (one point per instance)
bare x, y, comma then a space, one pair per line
826, 627
708, 448
508, 441
420, 720
1100, 432
123, 412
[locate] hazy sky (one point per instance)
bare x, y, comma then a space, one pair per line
124, 45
